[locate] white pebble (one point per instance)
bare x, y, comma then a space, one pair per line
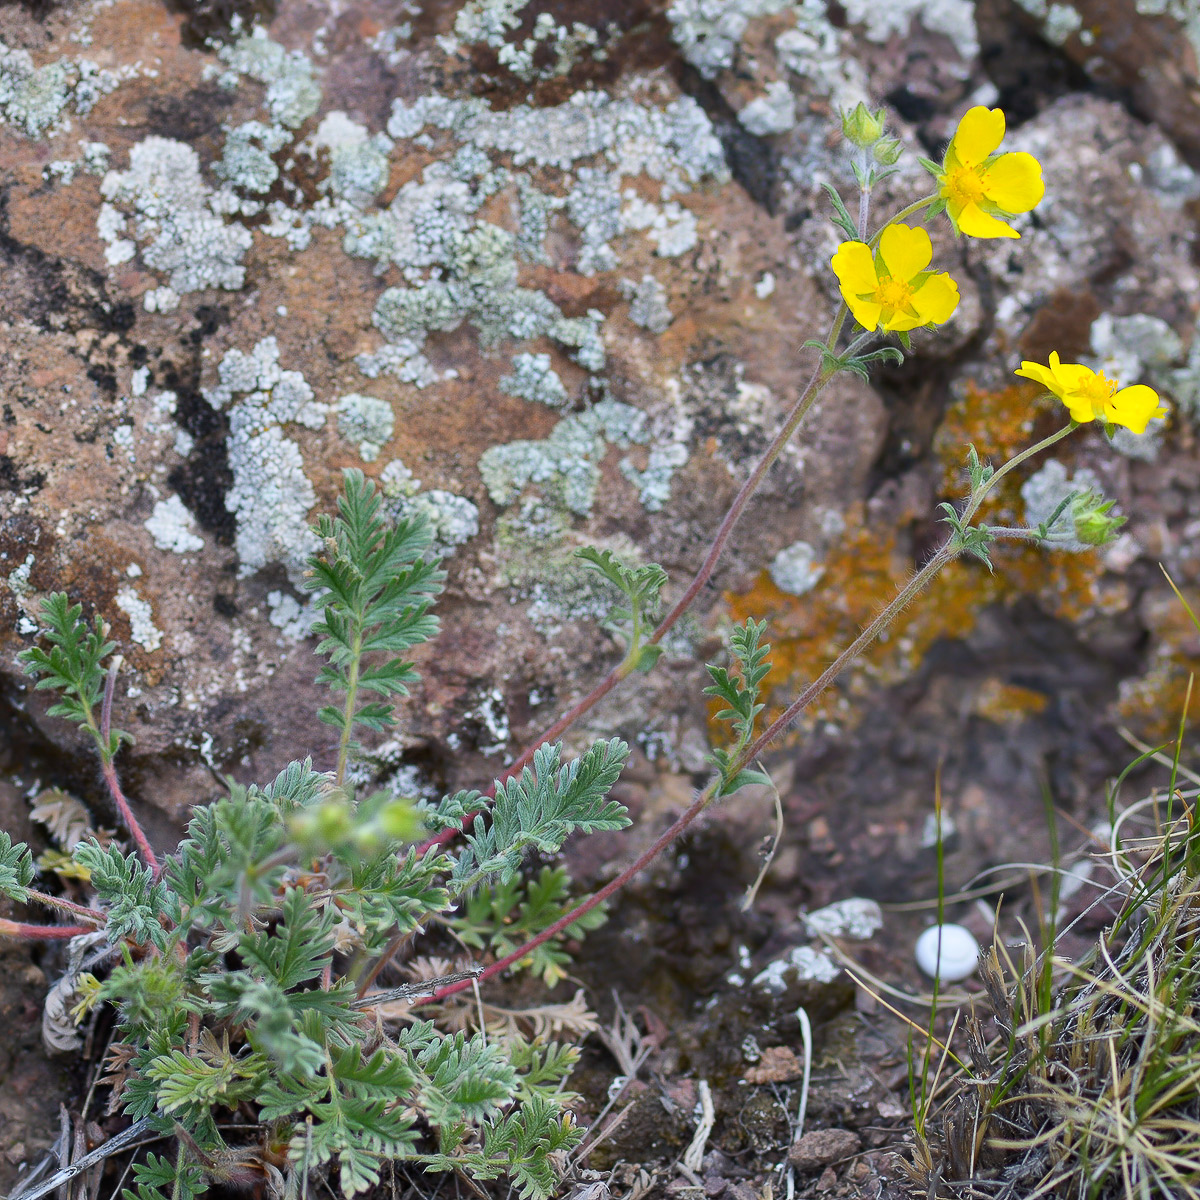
959, 952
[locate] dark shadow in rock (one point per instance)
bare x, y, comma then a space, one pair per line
1029, 73
753, 161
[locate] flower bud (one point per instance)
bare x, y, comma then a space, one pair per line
862, 126
1093, 525
887, 151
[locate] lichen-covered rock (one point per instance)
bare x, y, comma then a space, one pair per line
549, 284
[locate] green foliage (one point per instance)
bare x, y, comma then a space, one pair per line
841, 217
377, 589
233, 982
541, 807
137, 906
508, 914
856, 364
157, 1178
740, 693
72, 667
16, 869
642, 588
966, 538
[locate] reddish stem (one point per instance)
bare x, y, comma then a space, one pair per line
42, 933
131, 822
661, 843
63, 905
816, 383
110, 775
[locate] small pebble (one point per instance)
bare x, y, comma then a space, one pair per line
959, 952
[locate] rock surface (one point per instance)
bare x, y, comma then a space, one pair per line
549, 288
549, 283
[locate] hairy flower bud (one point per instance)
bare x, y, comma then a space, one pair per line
887, 151
862, 126
1093, 524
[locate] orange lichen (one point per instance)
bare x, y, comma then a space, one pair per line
1008, 703
862, 573
866, 568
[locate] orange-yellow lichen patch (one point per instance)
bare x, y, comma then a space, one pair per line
1008, 703
862, 573
1151, 705
998, 424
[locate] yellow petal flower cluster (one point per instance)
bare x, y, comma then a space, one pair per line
980, 187
891, 288
1090, 396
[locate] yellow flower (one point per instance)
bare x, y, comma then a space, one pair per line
891, 288
979, 186
1090, 396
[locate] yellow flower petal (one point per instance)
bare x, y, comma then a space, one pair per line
1014, 182
1133, 407
979, 134
854, 266
865, 312
936, 299
901, 321
1039, 374
1069, 377
906, 251
1079, 406
974, 222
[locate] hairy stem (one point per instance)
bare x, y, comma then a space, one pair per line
102, 736
67, 906
42, 933
915, 207
131, 822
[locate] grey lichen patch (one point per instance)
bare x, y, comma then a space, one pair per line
565, 466
772, 112
710, 31
795, 569
172, 527
293, 93
176, 217
358, 160
539, 567
533, 378
954, 19
1045, 490
453, 519
271, 496
141, 618
35, 99
675, 145
648, 304
293, 619
594, 205
480, 285
247, 161
489, 22
367, 421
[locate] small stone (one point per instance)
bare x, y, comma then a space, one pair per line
853, 918
777, 1065
820, 1147
959, 952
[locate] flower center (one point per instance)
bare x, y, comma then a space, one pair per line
892, 293
964, 185
1097, 391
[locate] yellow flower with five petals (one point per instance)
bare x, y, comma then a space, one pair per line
1091, 396
891, 288
979, 187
